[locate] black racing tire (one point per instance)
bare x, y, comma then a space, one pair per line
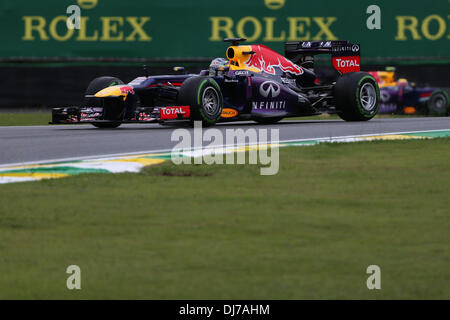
268, 120
439, 104
204, 97
106, 125
95, 86
357, 96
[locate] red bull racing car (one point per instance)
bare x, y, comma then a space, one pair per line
252, 83
398, 96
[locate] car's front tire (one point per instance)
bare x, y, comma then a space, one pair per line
95, 86
106, 125
204, 97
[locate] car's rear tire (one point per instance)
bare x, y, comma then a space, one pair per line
204, 97
439, 104
95, 86
357, 96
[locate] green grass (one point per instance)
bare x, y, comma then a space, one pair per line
225, 232
25, 118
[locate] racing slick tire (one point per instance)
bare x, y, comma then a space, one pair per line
357, 96
204, 97
95, 86
268, 120
106, 125
439, 104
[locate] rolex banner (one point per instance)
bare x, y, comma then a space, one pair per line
402, 31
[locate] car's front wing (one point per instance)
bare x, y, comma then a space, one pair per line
77, 115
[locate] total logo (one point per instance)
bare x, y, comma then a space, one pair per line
269, 89
345, 63
173, 112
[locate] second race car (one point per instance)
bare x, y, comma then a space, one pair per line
253, 83
399, 96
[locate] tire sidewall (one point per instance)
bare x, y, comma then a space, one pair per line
95, 86
433, 111
204, 85
101, 83
363, 112
347, 94
191, 93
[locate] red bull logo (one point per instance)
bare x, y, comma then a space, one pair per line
126, 90
267, 60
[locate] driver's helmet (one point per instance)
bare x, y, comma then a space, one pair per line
218, 66
387, 77
402, 82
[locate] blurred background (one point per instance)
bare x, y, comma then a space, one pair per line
44, 64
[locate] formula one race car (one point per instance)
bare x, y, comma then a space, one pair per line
401, 97
253, 83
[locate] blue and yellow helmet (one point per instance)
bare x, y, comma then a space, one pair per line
219, 64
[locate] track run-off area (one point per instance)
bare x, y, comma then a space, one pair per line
39, 152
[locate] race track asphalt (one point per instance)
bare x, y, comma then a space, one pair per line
69, 142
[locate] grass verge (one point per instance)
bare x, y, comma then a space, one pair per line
38, 118
225, 232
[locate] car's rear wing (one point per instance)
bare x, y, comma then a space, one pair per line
345, 55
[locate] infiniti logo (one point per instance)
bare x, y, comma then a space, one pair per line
385, 96
269, 88
355, 48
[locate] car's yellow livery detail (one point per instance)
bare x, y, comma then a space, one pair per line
238, 56
113, 91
